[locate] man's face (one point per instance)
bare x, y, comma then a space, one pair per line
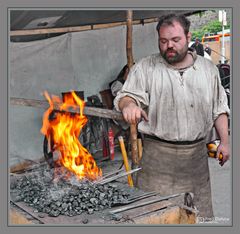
173, 43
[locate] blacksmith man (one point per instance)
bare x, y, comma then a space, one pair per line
180, 97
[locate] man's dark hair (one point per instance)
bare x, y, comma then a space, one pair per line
169, 19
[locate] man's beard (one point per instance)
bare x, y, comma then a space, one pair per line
178, 57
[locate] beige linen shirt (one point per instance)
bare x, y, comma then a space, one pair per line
180, 108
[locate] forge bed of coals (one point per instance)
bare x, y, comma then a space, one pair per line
64, 196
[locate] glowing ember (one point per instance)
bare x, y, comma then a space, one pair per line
64, 130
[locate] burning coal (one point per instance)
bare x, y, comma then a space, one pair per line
63, 130
65, 197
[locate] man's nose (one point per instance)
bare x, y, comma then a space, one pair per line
170, 44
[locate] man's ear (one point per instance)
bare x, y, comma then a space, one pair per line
189, 37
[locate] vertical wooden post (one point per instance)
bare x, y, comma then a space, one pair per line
133, 127
129, 38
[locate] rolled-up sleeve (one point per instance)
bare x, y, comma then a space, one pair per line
135, 87
220, 102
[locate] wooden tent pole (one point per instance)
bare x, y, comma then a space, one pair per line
133, 127
26, 32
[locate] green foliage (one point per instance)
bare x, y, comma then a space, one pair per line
212, 27
197, 34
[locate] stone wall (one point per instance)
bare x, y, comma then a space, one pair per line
199, 20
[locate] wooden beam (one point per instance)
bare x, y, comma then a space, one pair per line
91, 111
171, 215
17, 218
26, 32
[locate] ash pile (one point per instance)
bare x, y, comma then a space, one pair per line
68, 197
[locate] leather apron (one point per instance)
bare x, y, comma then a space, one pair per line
172, 168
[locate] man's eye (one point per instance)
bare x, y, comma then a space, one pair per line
176, 39
163, 41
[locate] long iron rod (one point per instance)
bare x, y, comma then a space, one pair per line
116, 177
144, 203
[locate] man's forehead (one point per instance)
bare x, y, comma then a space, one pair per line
174, 29
174, 24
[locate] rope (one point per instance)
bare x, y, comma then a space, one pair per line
219, 54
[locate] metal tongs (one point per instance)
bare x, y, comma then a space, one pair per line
134, 198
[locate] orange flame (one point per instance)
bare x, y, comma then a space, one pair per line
64, 129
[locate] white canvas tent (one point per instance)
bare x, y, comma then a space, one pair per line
73, 58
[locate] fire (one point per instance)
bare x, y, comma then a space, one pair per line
64, 129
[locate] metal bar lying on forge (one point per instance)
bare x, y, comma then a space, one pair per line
116, 177
144, 203
110, 174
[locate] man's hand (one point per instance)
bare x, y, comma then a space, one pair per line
132, 113
221, 125
224, 150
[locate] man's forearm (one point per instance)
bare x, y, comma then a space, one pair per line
221, 125
125, 101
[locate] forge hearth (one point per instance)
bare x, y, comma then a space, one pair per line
65, 194
50, 196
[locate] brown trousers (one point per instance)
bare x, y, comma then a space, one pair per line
170, 168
